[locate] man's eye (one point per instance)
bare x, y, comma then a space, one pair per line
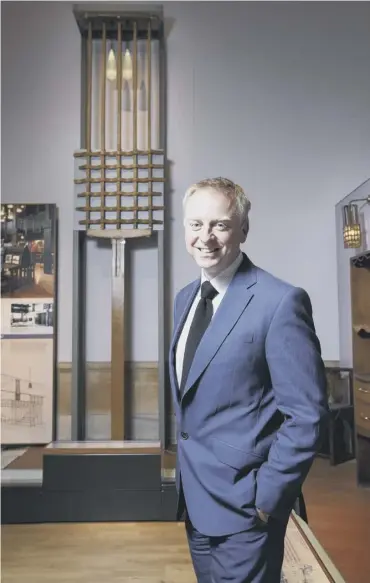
221, 226
194, 225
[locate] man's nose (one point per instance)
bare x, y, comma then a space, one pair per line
205, 234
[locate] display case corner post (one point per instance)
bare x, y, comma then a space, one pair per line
164, 310
162, 342
78, 389
55, 222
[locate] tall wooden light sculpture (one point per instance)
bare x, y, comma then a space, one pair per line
119, 172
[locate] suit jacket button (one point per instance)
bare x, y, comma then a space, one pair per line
184, 435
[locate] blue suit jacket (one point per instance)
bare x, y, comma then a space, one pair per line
254, 405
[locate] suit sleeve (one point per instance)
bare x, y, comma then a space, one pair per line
299, 383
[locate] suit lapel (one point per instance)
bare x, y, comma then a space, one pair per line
178, 328
235, 301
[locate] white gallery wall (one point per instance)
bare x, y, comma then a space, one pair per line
40, 122
273, 95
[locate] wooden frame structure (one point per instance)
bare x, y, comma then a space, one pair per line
119, 192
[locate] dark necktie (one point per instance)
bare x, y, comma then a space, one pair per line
202, 317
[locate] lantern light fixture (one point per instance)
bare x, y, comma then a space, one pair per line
352, 233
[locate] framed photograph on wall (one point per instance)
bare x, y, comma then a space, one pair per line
28, 322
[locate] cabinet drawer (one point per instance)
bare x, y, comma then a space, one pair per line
362, 418
361, 391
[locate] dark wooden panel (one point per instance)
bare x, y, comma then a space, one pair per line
109, 472
34, 505
103, 506
169, 501
21, 504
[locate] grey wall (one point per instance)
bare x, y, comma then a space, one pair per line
40, 121
273, 95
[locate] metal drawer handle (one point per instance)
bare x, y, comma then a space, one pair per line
363, 390
364, 417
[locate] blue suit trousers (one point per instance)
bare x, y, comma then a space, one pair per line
252, 556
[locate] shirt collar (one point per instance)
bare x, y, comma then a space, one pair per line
222, 280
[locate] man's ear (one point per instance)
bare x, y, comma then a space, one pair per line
245, 229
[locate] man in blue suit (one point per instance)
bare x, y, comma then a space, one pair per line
249, 389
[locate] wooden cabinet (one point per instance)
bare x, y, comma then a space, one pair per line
360, 306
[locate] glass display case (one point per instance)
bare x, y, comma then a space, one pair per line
353, 269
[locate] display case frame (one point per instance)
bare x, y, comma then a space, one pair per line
360, 314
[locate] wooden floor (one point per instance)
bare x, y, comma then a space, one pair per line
339, 516
338, 512
96, 553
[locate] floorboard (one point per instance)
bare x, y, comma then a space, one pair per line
339, 516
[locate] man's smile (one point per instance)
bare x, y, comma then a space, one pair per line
209, 251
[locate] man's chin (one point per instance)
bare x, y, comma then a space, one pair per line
207, 262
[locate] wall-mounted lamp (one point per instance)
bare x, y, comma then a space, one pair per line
352, 235
351, 226
120, 166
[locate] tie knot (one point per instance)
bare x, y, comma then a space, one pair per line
208, 292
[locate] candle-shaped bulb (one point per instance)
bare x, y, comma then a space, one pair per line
127, 66
111, 66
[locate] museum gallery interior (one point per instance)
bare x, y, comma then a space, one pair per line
109, 112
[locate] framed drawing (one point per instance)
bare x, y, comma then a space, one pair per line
26, 390
28, 322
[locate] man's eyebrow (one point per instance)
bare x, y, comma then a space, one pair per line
213, 221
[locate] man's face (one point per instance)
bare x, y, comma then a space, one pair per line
213, 231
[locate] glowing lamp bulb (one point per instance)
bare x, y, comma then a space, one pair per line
127, 66
111, 66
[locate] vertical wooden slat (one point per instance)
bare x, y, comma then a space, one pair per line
118, 346
149, 91
149, 105
134, 121
118, 282
88, 112
119, 119
89, 87
103, 72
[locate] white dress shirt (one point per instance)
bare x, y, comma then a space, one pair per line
220, 283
